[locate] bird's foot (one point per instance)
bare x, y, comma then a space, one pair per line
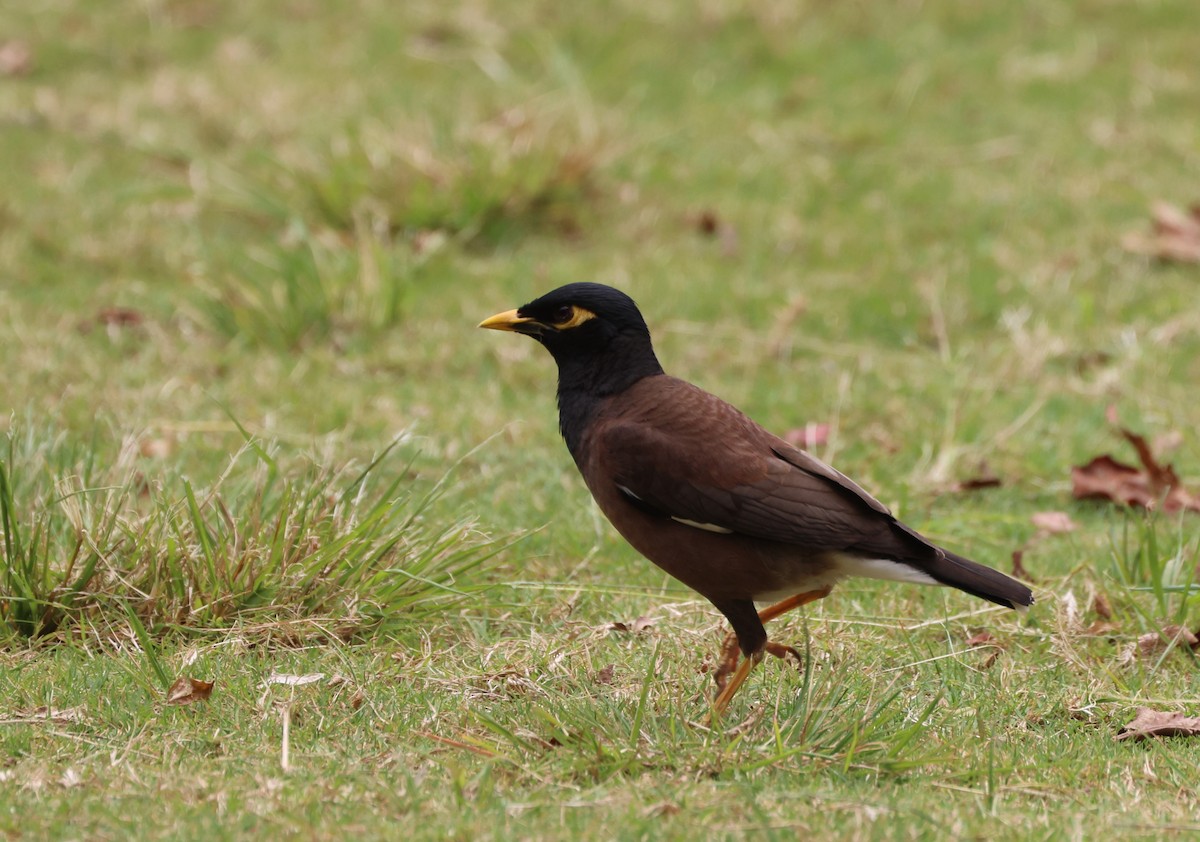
784, 652
730, 655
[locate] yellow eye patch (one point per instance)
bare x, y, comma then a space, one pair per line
578, 316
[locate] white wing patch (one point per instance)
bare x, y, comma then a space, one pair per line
707, 527
882, 568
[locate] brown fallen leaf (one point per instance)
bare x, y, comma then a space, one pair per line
1104, 478
1159, 723
1174, 235
45, 715
707, 222
637, 626
16, 58
710, 225
1101, 606
1053, 523
605, 675
984, 477
187, 690
119, 317
1152, 644
1180, 635
982, 638
976, 484
811, 434
294, 680
1018, 569
1101, 628
155, 448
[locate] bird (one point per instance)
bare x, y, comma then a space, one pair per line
734, 512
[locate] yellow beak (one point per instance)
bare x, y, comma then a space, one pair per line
508, 320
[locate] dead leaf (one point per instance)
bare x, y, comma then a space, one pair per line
157, 448
1174, 235
976, 483
1101, 606
811, 434
990, 660
1153, 643
119, 317
1018, 569
1180, 635
1053, 523
982, 638
16, 58
1101, 628
1158, 723
1105, 478
605, 675
1150, 644
637, 626
984, 477
45, 715
710, 225
187, 690
294, 680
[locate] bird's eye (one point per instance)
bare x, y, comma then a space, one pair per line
563, 314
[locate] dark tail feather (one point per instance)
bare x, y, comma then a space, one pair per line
980, 581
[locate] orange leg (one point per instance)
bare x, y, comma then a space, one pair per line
726, 686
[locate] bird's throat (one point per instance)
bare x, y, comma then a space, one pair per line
585, 383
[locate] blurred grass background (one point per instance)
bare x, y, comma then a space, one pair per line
281, 221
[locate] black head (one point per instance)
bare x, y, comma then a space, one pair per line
584, 326
576, 318
595, 334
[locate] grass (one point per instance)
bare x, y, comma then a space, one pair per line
293, 216
264, 542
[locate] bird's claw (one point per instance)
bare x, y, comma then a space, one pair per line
730, 655
728, 663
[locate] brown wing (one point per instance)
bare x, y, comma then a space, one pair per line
685, 454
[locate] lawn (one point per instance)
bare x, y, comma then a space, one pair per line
249, 434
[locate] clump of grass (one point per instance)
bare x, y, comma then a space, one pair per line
56, 527
307, 286
351, 547
1143, 561
524, 170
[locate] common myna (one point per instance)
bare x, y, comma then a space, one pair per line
708, 495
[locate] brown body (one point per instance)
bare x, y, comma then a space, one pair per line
708, 495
